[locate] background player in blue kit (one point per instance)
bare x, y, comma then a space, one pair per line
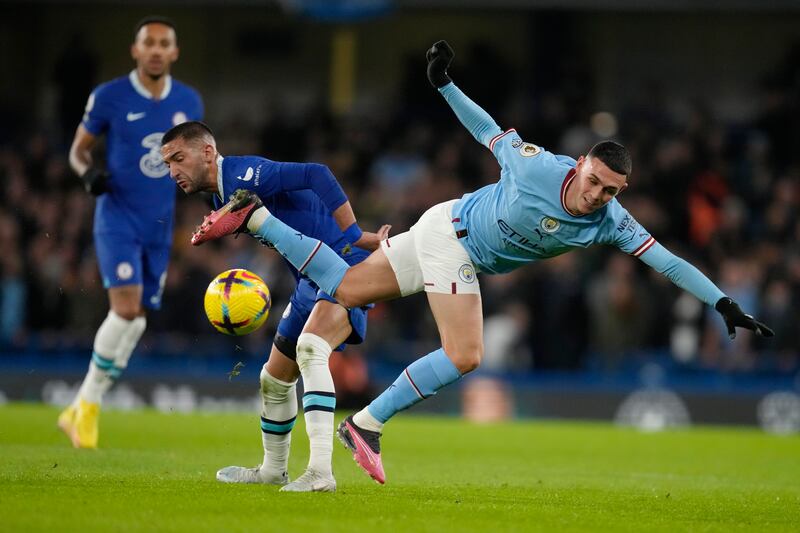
308, 196
135, 205
544, 205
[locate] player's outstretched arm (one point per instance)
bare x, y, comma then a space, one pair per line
95, 180
479, 123
688, 277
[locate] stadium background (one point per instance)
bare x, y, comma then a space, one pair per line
705, 94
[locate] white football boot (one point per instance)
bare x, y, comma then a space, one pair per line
241, 474
312, 481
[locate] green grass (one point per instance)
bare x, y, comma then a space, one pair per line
156, 472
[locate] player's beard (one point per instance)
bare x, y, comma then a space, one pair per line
155, 76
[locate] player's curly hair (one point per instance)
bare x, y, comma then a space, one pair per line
153, 19
189, 131
614, 155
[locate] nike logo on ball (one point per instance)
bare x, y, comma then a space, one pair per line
135, 116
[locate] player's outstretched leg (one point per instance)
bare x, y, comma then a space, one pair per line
245, 212
278, 415
420, 380
365, 446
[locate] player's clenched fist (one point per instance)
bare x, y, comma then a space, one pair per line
439, 58
95, 181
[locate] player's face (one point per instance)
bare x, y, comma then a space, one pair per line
594, 185
189, 164
155, 49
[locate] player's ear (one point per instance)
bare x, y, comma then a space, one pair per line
624, 186
176, 53
133, 51
208, 153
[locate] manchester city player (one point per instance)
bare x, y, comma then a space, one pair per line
308, 197
544, 205
135, 204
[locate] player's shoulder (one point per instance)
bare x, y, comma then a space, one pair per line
184, 89
244, 167
614, 217
112, 88
513, 148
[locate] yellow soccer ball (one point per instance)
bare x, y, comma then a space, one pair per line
237, 302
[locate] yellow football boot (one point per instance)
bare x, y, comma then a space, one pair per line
84, 430
66, 420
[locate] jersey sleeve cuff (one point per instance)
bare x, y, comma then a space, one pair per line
499, 136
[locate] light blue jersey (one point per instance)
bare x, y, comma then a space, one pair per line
523, 217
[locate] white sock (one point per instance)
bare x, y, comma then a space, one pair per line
257, 218
95, 384
319, 399
278, 415
129, 341
365, 420
113, 342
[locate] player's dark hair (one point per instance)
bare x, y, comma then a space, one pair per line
614, 155
188, 131
153, 19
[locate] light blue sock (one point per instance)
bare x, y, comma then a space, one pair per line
309, 256
420, 380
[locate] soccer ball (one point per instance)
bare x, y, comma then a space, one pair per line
237, 302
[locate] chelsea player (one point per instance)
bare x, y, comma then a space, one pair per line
307, 196
135, 205
544, 205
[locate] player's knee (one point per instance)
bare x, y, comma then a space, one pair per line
129, 311
466, 358
347, 297
274, 389
312, 350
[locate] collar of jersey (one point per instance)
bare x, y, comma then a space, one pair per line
137, 85
219, 178
564, 186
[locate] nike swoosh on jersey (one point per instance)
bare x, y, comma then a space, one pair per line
135, 116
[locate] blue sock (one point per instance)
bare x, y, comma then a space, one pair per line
309, 256
420, 380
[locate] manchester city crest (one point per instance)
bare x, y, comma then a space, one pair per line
466, 273
549, 225
529, 150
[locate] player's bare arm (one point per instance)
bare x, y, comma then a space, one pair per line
95, 180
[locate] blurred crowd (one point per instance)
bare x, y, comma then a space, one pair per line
722, 195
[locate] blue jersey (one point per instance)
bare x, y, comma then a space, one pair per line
141, 197
303, 195
523, 217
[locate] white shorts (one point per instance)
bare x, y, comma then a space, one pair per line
430, 257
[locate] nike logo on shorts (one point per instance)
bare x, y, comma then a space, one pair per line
135, 116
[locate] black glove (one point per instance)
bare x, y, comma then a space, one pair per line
439, 58
95, 181
736, 318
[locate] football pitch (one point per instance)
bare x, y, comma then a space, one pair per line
155, 472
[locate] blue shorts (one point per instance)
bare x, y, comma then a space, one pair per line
305, 296
126, 260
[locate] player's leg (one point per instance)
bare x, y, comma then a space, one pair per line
327, 327
454, 297
120, 260
278, 414
365, 283
460, 321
